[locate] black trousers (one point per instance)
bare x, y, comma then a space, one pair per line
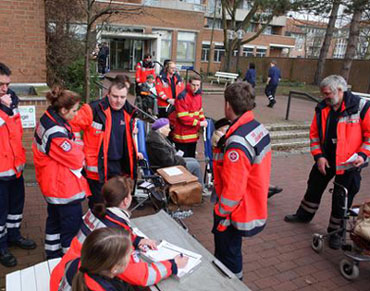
316, 186
11, 210
228, 248
95, 188
187, 148
270, 91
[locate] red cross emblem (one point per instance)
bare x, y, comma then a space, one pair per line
233, 156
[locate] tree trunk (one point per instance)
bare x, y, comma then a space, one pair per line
87, 53
327, 40
212, 34
354, 32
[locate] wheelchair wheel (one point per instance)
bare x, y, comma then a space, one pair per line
317, 243
349, 269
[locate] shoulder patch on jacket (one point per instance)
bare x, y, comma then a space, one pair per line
66, 146
256, 135
233, 156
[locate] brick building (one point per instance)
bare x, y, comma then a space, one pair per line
22, 39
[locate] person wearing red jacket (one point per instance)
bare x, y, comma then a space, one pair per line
144, 68
58, 159
107, 125
13, 159
113, 213
243, 165
189, 118
105, 253
340, 146
168, 85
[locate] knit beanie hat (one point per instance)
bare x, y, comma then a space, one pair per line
160, 123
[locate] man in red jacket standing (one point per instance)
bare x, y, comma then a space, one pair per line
12, 163
189, 118
243, 170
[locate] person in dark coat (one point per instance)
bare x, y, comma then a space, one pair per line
162, 153
250, 75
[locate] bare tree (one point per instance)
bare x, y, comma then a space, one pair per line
261, 13
327, 40
357, 7
95, 12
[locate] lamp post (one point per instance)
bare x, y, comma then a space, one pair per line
240, 35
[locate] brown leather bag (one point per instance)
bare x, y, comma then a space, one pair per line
184, 188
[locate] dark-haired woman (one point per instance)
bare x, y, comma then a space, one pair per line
58, 160
105, 254
113, 213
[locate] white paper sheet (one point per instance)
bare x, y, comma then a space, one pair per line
173, 171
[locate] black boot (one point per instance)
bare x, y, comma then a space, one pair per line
7, 259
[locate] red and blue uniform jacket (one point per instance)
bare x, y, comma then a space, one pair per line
137, 272
242, 170
58, 159
353, 131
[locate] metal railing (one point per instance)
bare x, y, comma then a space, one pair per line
291, 93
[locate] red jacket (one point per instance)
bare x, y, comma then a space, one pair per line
137, 272
189, 114
245, 174
353, 131
13, 154
142, 72
56, 154
164, 90
95, 120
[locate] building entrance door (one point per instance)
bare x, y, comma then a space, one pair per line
125, 53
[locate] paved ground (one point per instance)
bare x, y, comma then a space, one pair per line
280, 258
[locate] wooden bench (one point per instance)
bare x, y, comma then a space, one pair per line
34, 278
224, 77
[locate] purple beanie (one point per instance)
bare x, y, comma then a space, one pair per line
160, 123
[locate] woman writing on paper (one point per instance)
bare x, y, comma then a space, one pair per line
113, 213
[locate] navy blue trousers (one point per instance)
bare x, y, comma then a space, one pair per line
11, 210
228, 248
95, 188
62, 225
270, 91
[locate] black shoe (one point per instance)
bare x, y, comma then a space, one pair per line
335, 241
7, 259
294, 218
274, 190
23, 243
272, 103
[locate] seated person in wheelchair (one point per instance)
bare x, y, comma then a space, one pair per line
148, 95
162, 152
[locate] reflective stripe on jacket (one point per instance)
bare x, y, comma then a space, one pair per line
95, 120
189, 114
245, 174
163, 87
143, 72
56, 155
12, 152
353, 130
137, 272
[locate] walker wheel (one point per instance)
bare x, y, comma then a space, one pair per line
348, 269
317, 243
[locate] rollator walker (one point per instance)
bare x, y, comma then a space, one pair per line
355, 248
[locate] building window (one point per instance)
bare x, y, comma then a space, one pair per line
205, 52
209, 22
267, 30
166, 43
219, 51
251, 27
248, 52
340, 48
261, 52
186, 48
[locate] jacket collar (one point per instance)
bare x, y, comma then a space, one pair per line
244, 118
190, 92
